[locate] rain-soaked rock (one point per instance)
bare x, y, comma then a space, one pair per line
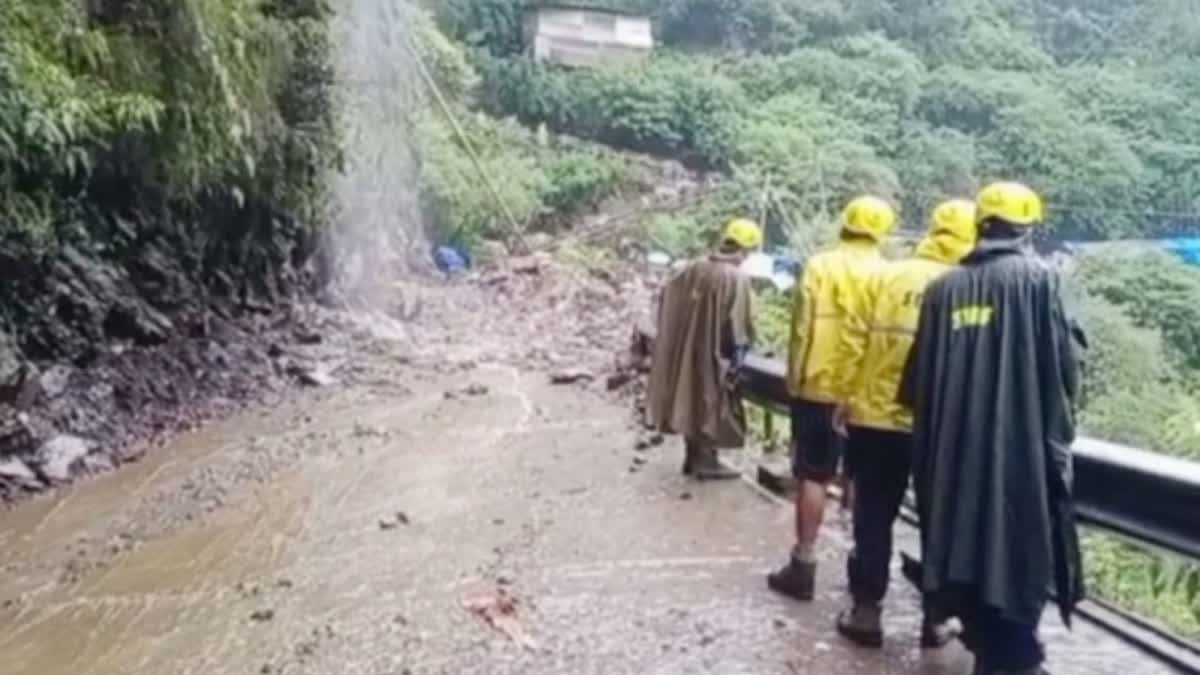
262, 615
571, 376
58, 455
17, 472
20, 432
316, 377
55, 380
18, 378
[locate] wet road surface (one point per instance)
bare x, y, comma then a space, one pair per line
347, 533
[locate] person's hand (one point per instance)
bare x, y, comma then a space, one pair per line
841, 414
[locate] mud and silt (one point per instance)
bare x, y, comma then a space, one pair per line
443, 508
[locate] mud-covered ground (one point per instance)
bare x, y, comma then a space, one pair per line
462, 495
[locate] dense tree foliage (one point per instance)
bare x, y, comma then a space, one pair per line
152, 152
1090, 102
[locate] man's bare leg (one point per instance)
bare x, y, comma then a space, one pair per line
797, 579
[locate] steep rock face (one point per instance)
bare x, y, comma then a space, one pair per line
137, 336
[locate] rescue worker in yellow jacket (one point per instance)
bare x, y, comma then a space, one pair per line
830, 288
876, 339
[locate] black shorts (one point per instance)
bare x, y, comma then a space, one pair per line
816, 448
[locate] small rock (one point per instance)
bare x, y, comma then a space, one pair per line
308, 337
265, 669
779, 624
641, 446
261, 615
54, 381
385, 524
400, 620
639, 461
685, 496
285, 583
526, 265
474, 389
19, 472
57, 456
571, 376
402, 518
618, 380
317, 377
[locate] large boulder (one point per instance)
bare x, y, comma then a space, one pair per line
57, 457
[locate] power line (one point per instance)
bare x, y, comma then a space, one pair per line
516, 229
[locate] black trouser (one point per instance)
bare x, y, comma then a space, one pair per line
999, 643
879, 462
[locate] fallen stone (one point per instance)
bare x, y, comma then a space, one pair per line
316, 377
54, 381
618, 380
639, 460
18, 472
526, 265
308, 337
262, 615
571, 376
470, 390
56, 457
402, 518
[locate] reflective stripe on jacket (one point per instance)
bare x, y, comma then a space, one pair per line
881, 337
832, 286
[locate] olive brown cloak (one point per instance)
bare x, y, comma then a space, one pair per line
703, 313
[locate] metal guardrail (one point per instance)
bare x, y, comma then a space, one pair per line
1146, 497
1150, 498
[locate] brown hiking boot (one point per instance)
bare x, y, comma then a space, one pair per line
937, 635
862, 625
797, 580
707, 466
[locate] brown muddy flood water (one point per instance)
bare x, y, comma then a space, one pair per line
353, 530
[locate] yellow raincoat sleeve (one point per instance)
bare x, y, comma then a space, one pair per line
798, 335
857, 309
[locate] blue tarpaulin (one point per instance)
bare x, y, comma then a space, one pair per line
451, 259
1187, 248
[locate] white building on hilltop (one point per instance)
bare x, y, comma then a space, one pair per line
585, 36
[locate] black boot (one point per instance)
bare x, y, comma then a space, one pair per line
707, 466
797, 580
689, 458
862, 625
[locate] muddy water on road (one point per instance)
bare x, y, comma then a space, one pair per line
159, 567
342, 533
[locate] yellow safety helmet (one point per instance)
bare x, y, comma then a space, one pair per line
955, 218
952, 232
869, 216
1012, 203
745, 233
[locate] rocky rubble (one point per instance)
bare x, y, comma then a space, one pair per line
58, 421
